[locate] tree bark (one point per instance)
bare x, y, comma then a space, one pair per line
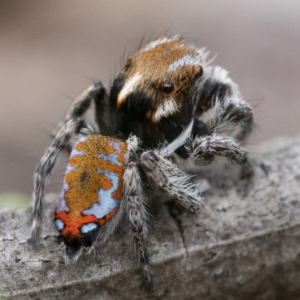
244, 244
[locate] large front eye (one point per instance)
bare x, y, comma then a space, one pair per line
168, 87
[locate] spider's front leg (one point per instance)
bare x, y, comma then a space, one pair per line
133, 195
230, 117
203, 150
230, 114
171, 180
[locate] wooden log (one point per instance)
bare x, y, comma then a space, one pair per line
245, 243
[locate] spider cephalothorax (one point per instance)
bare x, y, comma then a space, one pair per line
157, 90
154, 109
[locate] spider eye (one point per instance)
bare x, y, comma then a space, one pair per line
168, 87
182, 78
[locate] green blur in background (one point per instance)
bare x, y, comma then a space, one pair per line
14, 200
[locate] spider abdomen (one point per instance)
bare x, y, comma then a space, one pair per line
92, 187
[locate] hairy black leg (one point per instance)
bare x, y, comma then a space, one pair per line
170, 181
230, 113
137, 214
102, 110
81, 104
71, 124
203, 150
44, 169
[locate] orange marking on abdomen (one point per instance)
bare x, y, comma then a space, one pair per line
95, 170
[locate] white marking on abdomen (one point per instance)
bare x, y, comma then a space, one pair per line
106, 203
62, 204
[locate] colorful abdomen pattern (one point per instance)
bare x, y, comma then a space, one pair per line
92, 186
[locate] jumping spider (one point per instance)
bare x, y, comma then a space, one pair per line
153, 110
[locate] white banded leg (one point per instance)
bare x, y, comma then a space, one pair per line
133, 195
179, 190
44, 169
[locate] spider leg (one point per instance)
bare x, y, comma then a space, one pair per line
133, 195
71, 124
231, 115
79, 107
102, 110
203, 150
171, 181
43, 170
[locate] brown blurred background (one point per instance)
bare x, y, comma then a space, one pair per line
51, 50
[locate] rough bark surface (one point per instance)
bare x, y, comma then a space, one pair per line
245, 243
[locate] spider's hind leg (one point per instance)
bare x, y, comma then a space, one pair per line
96, 92
44, 169
72, 124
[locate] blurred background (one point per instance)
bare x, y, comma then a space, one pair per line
52, 50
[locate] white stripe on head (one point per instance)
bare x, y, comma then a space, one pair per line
186, 60
158, 42
154, 44
169, 107
128, 87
